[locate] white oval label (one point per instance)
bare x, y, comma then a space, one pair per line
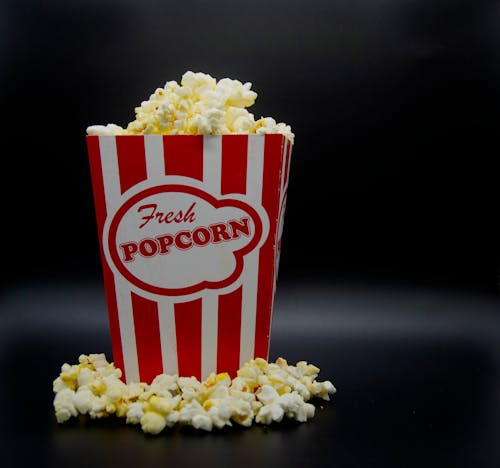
176, 240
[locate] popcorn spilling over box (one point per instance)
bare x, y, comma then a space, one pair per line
189, 201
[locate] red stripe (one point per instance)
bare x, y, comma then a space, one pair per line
147, 337
273, 164
228, 333
131, 160
109, 282
184, 155
234, 164
188, 334
233, 180
97, 180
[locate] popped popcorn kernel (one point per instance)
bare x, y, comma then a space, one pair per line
106, 130
161, 404
262, 392
64, 405
267, 394
135, 412
83, 400
323, 389
219, 412
242, 412
69, 375
200, 104
202, 421
153, 423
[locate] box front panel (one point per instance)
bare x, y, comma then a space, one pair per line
189, 228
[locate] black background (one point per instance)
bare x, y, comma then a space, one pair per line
391, 239
395, 106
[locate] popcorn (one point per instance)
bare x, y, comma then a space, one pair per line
322, 389
267, 394
69, 375
152, 422
295, 407
219, 411
198, 105
189, 387
83, 400
270, 413
262, 392
242, 412
106, 130
135, 412
159, 412
64, 405
193, 413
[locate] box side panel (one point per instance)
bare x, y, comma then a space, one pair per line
274, 155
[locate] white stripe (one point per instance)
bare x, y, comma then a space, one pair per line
255, 168
168, 339
155, 170
281, 198
212, 163
284, 186
287, 166
277, 259
249, 280
283, 168
127, 332
112, 196
155, 160
249, 276
209, 324
110, 173
212, 173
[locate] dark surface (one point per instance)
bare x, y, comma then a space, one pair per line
417, 372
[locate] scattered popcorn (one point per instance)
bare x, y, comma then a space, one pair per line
262, 392
198, 105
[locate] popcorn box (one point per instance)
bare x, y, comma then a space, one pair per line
190, 231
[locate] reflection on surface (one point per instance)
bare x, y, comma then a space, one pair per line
417, 374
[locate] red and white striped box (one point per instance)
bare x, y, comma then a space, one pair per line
190, 232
